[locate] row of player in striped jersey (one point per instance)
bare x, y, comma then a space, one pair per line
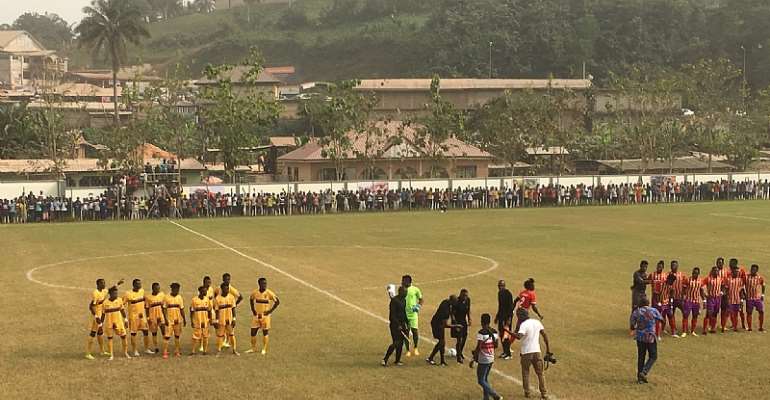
151, 313
728, 292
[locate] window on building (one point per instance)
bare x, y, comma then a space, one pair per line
465, 171
327, 174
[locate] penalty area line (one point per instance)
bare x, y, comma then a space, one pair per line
314, 287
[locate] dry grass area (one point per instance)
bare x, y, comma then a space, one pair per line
330, 273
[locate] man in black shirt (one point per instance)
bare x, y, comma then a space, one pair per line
639, 286
438, 324
461, 316
398, 326
504, 316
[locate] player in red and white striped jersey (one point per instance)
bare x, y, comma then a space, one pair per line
736, 292
755, 296
694, 295
714, 288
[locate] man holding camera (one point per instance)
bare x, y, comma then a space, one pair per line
529, 333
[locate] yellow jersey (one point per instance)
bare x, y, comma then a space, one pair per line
210, 294
174, 306
112, 313
233, 291
97, 300
154, 305
267, 295
135, 302
200, 308
224, 308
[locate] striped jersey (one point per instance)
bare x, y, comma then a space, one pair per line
734, 287
665, 292
692, 290
678, 285
754, 285
657, 278
713, 286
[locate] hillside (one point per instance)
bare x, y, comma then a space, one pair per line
319, 50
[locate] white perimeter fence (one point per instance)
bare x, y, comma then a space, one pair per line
9, 190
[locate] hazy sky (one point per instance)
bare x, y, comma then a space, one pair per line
70, 10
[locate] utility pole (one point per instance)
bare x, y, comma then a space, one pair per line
490, 60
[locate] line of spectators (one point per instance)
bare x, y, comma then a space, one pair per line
168, 203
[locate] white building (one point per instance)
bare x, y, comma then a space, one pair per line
24, 62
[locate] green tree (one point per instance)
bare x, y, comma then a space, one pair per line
51, 30
439, 122
334, 114
646, 99
235, 119
712, 90
203, 6
108, 27
508, 125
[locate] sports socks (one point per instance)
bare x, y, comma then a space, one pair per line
146, 341
254, 343
265, 341
100, 340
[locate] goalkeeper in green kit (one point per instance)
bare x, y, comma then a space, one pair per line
413, 305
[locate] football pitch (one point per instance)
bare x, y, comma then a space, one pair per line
330, 273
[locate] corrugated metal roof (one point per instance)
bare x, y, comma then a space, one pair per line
472, 84
236, 76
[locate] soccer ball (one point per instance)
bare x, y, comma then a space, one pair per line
452, 352
391, 288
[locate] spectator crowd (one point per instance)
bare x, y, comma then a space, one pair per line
163, 202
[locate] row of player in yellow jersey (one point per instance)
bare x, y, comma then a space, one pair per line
155, 312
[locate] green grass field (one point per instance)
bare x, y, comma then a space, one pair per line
322, 348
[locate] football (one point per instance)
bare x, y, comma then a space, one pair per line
452, 352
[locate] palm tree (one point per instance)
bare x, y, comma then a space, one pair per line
109, 25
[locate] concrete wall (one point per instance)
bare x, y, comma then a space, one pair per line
393, 170
9, 190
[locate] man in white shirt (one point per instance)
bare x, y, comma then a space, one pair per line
529, 333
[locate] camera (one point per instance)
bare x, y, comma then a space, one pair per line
549, 358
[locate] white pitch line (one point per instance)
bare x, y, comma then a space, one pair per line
31, 272
741, 217
316, 288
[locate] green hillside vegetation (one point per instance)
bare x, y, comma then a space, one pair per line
303, 35
344, 39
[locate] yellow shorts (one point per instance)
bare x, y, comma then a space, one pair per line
176, 329
201, 331
115, 328
155, 319
260, 321
93, 325
224, 328
137, 323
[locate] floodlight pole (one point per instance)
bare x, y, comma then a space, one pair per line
490, 59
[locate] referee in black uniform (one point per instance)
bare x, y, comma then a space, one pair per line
461, 317
398, 326
504, 316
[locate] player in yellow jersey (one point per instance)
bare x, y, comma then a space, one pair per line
200, 316
173, 308
115, 320
96, 320
224, 320
263, 303
209, 289
153, 304
137, 320
233, 291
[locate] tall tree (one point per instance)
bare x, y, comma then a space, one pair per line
508, 125
336, 115
233, 118
108, 27
439, 122
50, 29
713, 91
